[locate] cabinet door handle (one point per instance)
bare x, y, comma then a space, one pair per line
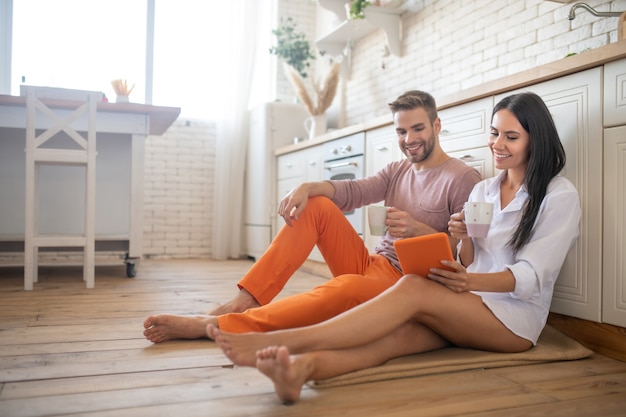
312, 163
381, 148
344, 164
466, 157
444, 132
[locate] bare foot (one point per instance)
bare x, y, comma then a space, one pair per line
239, 348
287, 372
240, 303
166, 327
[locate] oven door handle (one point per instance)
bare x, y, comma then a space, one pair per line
341, 165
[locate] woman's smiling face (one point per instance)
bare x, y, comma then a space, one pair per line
508, 141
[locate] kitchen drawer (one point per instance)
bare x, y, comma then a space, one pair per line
313, 164
479, 158
466, 126
381, 148
615, 93
291, 165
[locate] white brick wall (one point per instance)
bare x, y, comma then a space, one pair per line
450, 45
178, 196
447, 46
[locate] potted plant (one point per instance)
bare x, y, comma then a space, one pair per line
292, 47
357, 9
295, 51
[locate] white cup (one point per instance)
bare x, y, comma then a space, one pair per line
376, 217
478, 218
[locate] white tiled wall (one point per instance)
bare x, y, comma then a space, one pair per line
448, 45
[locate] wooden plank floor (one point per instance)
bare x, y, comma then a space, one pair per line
66, 350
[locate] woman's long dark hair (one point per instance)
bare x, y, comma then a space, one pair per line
546, 157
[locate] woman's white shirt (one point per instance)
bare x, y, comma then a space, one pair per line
537, 264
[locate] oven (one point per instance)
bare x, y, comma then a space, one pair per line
343, 159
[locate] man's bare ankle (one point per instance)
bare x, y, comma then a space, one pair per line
238, 304
247, 300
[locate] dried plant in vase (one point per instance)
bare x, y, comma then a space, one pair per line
324, 92
122, 90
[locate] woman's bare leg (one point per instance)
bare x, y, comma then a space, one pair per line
290, 372
461, 318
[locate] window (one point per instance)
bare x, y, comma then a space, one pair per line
193, 49
79, 44
84, 45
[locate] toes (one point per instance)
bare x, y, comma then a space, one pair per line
149, 322
212, 331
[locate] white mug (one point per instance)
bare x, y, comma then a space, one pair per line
478, 218
376, 217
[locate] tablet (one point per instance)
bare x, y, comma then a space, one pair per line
420, 253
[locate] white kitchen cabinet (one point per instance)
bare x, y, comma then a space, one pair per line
284, 186
466, 126
314, 172
291, 165
381, 148
314, 164
298, 167
290, 173
575, 103
614, 233
294, 169
480, 159
465, 132
615, 93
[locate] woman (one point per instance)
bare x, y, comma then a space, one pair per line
498, 296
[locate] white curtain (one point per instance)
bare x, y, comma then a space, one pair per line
232, 128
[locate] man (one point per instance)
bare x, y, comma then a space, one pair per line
422, 190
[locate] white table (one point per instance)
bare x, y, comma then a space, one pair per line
121, 132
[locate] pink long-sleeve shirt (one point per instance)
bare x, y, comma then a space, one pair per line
429, 196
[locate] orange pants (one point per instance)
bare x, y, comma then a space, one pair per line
358, 275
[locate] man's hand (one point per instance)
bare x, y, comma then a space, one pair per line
293, 203
402, 225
